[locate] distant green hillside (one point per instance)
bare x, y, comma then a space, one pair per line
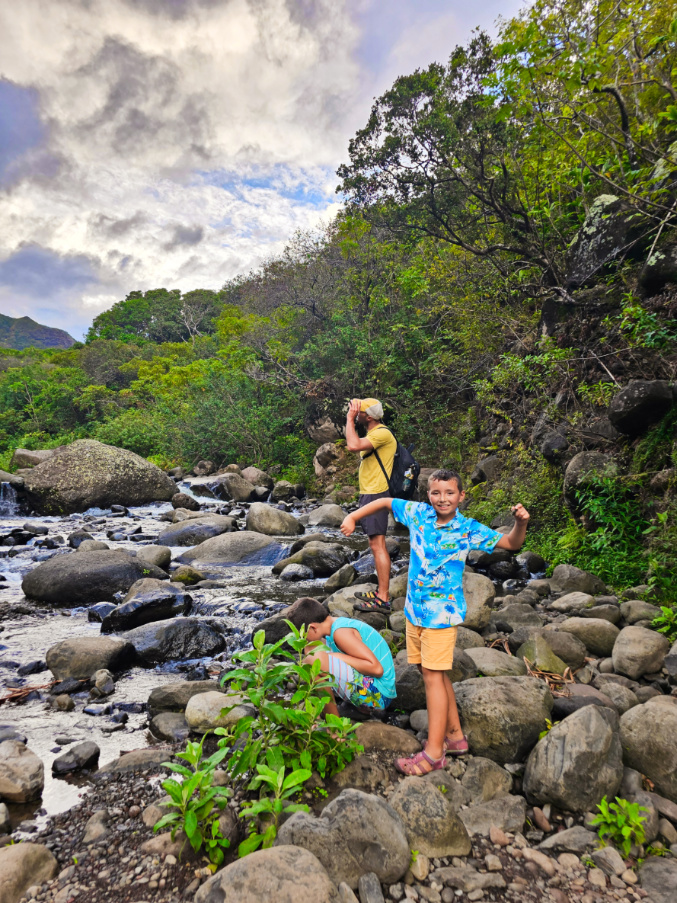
26, 333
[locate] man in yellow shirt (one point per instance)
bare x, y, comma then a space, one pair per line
373, 485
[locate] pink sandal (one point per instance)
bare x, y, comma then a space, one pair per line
454, 747
415, 765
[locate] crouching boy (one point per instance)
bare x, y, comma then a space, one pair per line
353, 653
441, 538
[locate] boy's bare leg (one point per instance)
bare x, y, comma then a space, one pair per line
331, 708
377, 544
437, 702
453, 728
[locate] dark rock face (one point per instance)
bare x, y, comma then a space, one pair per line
183, 638
196, 530
322, 558
83, 578
147, 607
78, 756
243, 547
487, 469
660, 269
183, 500
641, 403
88, 473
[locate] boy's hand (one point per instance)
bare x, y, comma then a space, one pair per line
520, 513
348, 525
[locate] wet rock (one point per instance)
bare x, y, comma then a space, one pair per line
597, 634
243, 547
14, 480
22, 774
327, 516
233, 488
37, 666
639, 651
24, 865
87, 474
433, 826
322, 558
479, 594
175, 640
641, 403
493, 663
294, 572
158, 556
577, 762
649, 739
77, 757
506, 812
283, 490
171, 726
80, 657
187, 575
567, 578
285, 874
194, 530
205, 711
145, 608
503, 716
345, 576
271, 521
357, 833
183, 500
86, 577
77, 537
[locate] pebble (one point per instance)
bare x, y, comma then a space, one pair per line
493, 863
597, 878
498, 837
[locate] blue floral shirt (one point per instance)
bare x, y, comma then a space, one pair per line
437, 559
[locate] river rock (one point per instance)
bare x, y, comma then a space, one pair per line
567, 647
513, 616
22, 774
175, 640
577, 762
572, 840
24, 865
174, 696
171, 726
658, 878
194, 530
572, 602
641, 403
187, 575
539, 653
409, 684
295, 572
265, 519
257, 477
503, 716
327, 516
639, 651
567, 578
357, 833
636, 610
285, 874
649, 739
92, 545
597, 634
232, 487
244, 547
378, 737
283, 490
76, 757
505, 812
144, 608
183, 500
83, 578
345, 576
494, 663
468, 639
622, 697
88, 474
485, 780
322, 558
31, 457
204, 711
14, 480
430, 820
81, 657
158, 556
479, 595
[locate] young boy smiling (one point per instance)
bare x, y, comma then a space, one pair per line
441, 538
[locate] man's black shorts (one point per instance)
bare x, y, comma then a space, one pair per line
375, 524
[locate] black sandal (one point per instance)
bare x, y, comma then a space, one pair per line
372, 602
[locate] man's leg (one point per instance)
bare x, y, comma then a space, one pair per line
377, 544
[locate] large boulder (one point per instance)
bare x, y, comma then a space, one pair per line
232, 487
660, 268
326, 516
175, 696
641, 403
568, 579
262, 518
323, 558
649, 739
285, 874
638, 651
430, 820
31, 457
283, 490
357, 833
503, 716
479, 595
597, 634
83, 578
22, 774
567, 647
175, 640
24, 865
88, 474
582, 473
244, 547
80, 657
257, 477
577, 762
156, 605
326, 456
195, 530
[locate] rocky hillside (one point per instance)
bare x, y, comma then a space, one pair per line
22, 332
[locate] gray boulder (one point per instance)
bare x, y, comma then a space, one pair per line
24, 865
409, 685
345, 576
144, 608
31, 457
171, 726
641, 403
76, 757
484, 780
83, 578
15, 481
204, 711
567, 647
245, 547
597, 634
572, 840
285, 874
430, 820
479, 595
233, 487
577, 762
174, 696
322, 558
503, 716
158, 556
539, 653
262, 518
649, 739
639, 651
195, 530
566, 579
572, 602
81, 657
357, 833
89, 474
513, 616
327, 516
658, 878
636, 610
22, 774
494, 663
505, 812
487, 469
283, 490
175, 640
257, 477
183, 500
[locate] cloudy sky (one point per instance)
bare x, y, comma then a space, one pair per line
176, 143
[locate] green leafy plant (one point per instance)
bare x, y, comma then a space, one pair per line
620, 823
666, 622
548, 727
195, 803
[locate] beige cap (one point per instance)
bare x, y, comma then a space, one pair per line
372, 407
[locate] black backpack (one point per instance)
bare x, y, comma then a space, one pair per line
403, 480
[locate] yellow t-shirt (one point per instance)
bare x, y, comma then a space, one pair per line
372, 479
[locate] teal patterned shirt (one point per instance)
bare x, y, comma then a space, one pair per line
437, 559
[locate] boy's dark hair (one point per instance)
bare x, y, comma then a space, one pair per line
307, 611
446, 475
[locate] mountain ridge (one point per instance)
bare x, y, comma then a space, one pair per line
22, 332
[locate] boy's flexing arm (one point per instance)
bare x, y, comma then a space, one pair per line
350, 521
356, 653
515, 539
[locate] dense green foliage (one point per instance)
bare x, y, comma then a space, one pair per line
464, 192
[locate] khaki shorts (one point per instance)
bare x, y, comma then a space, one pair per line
431, 647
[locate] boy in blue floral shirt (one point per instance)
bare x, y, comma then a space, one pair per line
441, 538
